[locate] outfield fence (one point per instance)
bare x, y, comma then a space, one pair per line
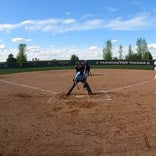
31, 64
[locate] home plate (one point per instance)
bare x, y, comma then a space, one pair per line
108, 99
79, 96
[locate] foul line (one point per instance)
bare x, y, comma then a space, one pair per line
129, 86
30, 87
51, 92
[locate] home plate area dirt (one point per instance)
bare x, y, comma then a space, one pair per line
38, 119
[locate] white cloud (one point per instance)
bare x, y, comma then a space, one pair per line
87, 53
140, 21
4, 52
92, 52
8, 27
93, 48
2, 46
18, 39
54, 25
34, 49
115, 51
152, 49
114, 41
86, 25
26, 22
68, 21
152, 46
94, 22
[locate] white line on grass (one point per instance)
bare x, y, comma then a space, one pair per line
30, 87
129, 86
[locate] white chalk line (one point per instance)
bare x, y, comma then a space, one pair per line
103, 91
108, 97
128, 86
79, 96
27, 86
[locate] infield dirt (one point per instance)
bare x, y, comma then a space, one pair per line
38, 119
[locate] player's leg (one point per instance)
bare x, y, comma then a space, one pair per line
86, 85
71, 88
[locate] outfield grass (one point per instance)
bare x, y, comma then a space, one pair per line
20, 70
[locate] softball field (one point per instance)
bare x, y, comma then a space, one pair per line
38, 119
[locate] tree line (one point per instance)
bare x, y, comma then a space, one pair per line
21, 56
142, 53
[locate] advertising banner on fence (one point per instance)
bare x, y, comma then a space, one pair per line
122, 62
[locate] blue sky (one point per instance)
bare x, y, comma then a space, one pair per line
56, 29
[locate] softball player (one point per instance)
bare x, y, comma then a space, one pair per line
155, 72
87, 69
80, 77
77, 66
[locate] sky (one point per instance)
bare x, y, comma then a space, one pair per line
57, 29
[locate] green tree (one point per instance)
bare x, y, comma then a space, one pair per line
130, 50
147, 56
107, 50
21, 56
11, 58
131, 55
139, 48
74, 58
120, 52
134, 56
142, 48
115, 58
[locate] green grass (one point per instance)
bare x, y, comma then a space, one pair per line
20, 70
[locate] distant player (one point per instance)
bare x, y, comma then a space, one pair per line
80, 77
155, 72
87, 69
77, 66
